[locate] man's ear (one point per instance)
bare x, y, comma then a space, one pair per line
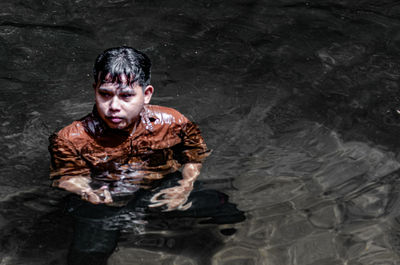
148, 92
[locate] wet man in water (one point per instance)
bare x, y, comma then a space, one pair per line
120, 156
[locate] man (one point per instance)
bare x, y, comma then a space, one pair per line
120, 155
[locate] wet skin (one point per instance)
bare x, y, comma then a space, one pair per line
119, 105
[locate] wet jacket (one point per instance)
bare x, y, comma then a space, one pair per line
162, 142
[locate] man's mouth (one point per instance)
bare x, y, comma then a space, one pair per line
115, 119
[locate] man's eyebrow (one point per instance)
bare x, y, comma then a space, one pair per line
126, 90
105, 89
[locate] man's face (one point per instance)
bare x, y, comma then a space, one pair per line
120, 105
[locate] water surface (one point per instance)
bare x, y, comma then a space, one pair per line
298, 100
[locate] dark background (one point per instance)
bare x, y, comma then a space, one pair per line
297, 99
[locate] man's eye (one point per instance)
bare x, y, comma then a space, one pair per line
126, 95
104, 94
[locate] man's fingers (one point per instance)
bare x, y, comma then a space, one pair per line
174, 205
181, 206
160, 203
93, 198
98, 196
185, 207
107, 196
173, 198
156, 196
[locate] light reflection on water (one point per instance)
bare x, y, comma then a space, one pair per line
297, 100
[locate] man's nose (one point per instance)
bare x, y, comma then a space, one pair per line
114, 104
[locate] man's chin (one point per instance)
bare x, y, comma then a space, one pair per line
117, 126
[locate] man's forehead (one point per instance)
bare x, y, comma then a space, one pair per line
116, 77
121, 81
116, 85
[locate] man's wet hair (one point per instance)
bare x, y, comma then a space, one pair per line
114, 63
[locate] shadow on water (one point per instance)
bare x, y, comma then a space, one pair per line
37, 238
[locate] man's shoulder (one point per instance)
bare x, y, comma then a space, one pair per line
165, 115
73, 131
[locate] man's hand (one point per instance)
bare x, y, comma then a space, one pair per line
175, 198
98, 196
80, 186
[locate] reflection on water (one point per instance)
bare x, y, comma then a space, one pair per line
297, 99
98, 228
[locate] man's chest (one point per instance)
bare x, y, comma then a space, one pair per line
141, 152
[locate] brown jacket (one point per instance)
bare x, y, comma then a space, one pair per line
163, 141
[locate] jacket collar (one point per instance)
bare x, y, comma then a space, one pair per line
97, 128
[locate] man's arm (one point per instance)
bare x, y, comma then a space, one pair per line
175, 198
190, 172
80, 185
69, 172
193, 153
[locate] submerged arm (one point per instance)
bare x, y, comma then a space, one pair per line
70, 172
190, 172
80, 185
175, 198
193, 153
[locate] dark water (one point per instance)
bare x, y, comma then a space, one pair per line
298, 100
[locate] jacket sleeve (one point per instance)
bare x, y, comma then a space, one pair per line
66, 162
194, 149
